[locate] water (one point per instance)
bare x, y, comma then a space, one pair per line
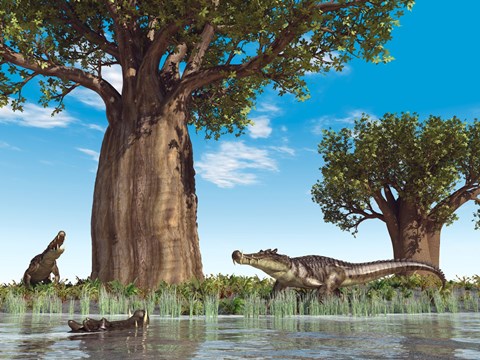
425, 336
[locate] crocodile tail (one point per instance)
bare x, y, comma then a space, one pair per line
365, 272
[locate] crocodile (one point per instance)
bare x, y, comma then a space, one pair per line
326, 274
139, 317
42, 265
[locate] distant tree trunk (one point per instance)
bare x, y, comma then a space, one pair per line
433, 238
413, 236
144, 227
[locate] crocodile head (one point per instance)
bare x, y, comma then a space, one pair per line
55, 248
265, 260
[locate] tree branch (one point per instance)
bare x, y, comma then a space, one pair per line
195, 60
387, 206
156, 50
20, 84
332, 5
128, 55
204, 77
106, 91
90, 35
466, 193
171, 69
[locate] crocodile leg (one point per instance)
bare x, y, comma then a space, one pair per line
277, 287
75, 326
56, 273
26, 279
335, 277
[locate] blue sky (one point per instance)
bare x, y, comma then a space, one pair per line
254, 191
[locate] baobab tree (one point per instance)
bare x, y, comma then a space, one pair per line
183, 62
411, 174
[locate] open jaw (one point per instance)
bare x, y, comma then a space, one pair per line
57, 243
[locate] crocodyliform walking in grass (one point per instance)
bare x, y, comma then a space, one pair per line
324, 273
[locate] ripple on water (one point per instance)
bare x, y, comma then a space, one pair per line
429, 336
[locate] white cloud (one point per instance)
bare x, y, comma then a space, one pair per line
284, 150
89, 98
95, 127
233, 164
93, 154
348, 120
35, 116
268, 107
113, 75
261, 124
5, 145
260, 127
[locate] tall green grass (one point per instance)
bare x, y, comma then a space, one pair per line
15, 303
241, 295
211, 305
169, 303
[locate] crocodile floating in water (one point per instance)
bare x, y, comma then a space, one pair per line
139, 318
42, 265
324, 273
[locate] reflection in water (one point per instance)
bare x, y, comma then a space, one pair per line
426, 336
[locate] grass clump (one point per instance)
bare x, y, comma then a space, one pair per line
249, 296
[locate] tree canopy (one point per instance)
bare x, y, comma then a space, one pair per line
183, 62
371, 169
223, 52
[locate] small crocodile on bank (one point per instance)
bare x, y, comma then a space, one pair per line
139, 318
324, 273
42, 265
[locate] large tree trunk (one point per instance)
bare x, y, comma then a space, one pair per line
414, 236
144, 227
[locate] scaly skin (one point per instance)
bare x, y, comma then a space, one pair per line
324, 273
139, 318
42, 265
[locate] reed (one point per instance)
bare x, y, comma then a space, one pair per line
470, 301
150, 302
169, 303
211, 304
71, 306
15, 303
254, 306
451, 303
284, 304
85, 301
438, 302
242, 295
195, 306
104, 301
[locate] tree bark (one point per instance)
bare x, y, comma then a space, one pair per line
144, 228
414, 237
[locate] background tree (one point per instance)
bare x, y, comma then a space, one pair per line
412, 175
184, 62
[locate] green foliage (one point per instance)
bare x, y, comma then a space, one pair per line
223, 294
64, 44
432, 164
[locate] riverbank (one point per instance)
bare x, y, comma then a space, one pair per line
247, 296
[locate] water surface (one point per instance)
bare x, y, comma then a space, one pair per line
424, 336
